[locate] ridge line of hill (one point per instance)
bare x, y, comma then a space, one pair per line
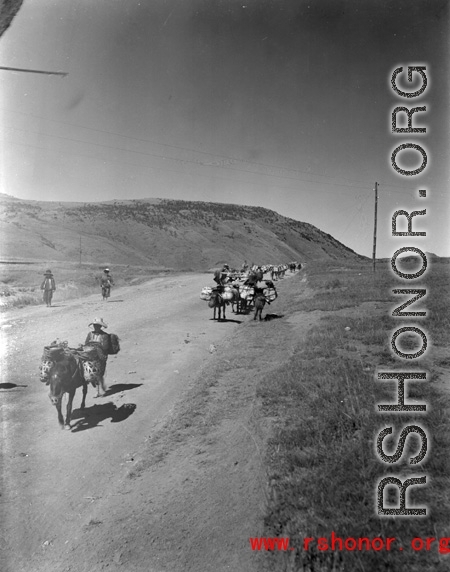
171, 233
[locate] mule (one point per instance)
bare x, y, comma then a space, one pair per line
217, 302
246, 293
65, 376
231, 296
260, 302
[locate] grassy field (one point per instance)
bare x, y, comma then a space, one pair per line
322, 461
318, 393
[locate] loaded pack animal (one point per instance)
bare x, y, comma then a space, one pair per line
65, 376
274, 273
216, 301
260, 302
263, 295
230, 295
247, 289
246, 294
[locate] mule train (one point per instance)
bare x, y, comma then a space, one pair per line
244, 290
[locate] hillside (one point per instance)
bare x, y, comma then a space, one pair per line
182, 235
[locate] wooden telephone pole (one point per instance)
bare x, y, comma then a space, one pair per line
80, 251
375, 227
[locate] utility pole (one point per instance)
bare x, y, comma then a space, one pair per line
375, 226
80, 251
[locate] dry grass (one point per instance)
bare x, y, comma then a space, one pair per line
20, 283
323, 467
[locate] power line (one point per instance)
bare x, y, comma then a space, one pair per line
182, 161
190, 149
359, 209
178, 160
115, 162
63, 74
207, 153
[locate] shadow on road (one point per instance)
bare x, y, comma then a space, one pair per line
10, 385
269, 317
118, 387
93, 416
223, 321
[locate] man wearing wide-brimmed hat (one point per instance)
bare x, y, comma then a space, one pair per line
48, 286
99, 340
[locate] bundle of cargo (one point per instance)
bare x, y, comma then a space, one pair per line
228, 293
52, 353
246, 292
270, 294
269, 291
205, 294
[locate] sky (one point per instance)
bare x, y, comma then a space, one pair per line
284, 104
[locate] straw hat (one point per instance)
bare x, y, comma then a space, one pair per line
48, 273
98, 321
106, 270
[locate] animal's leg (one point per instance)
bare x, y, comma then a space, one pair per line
103, 383
101, 386
60, 415
83, 401
69, 407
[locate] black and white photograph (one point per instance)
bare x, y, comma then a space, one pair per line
224, 286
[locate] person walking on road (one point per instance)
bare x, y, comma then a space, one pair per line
48, 286
106, 282
99, 339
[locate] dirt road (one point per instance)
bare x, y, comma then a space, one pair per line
83, 499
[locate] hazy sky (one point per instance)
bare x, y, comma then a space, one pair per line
284, 104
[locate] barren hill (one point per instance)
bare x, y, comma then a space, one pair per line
182, 235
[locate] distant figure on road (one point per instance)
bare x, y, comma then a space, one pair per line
100, 341
106, 282
48, 286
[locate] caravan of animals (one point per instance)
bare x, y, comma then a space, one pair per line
65, 369
155, 235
